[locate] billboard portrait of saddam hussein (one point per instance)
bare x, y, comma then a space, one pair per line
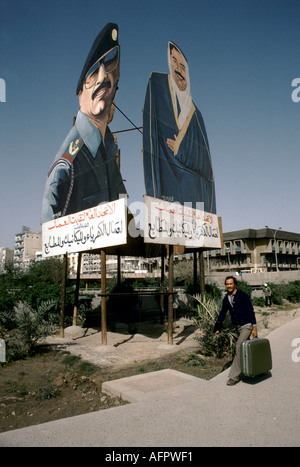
176, 156
85, 172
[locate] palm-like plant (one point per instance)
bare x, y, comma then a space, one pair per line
207, 313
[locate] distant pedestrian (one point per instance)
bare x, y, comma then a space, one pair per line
268, 295
242, 316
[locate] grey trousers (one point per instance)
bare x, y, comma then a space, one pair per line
244, 334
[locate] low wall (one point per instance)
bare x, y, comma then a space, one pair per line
254, 279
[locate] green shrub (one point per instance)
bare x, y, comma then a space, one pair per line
9, 295
41, 292
245, 287
214, 344
276, 290
31, 327
291, 291
258, 301
41, 282
7, 321
48, 271
213, 291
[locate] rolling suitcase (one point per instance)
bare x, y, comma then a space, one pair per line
256, 357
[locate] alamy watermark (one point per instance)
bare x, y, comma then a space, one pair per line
2, 90
296, 352
296, 92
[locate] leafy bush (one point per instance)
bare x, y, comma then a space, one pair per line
41, 292
258, 301
7, 298
9, 294
183, 272
31, 327
245, 287
291, 291
213, 291
7, 321
276, 293
214, 344
40, 283
48, 270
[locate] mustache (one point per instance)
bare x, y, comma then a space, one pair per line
180, 75
105, 84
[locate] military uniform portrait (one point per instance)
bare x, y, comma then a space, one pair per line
85, 172
176, 155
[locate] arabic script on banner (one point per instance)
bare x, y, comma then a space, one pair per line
175, 224
99, 227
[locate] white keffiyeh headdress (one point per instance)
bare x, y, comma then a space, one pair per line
184, 97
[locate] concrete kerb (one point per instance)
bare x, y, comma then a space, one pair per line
141, 387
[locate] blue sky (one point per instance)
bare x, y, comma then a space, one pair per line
243, 56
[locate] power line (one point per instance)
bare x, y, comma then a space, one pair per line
129, 129
135, 127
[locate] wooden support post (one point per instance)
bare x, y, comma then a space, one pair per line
103, 299
195, 282
170, 298
63, 296
76, 301
119, 271
201, 271
162, 280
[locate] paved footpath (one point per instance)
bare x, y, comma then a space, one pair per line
171, 409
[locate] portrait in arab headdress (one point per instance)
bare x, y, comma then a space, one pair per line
176, 155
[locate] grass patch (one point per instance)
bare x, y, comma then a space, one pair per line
71, 360
86, 368
196, 360
47, 393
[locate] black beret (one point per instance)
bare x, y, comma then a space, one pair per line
106, 40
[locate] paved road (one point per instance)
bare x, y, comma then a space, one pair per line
176, 411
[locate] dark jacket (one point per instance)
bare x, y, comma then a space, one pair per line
241, 312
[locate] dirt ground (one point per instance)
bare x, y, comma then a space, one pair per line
65, 377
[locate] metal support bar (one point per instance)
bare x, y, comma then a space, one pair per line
103, 299
162, 280
76, 301
195, 271
63, 296
136, 293
170, 300
201, 271
119, 270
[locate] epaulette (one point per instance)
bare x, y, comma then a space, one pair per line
73, 148
69, 154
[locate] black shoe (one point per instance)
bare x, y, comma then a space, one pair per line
232, 382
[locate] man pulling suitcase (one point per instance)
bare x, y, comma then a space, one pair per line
242, 315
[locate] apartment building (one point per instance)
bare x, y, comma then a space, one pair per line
253, 250
91, 264
27, 247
